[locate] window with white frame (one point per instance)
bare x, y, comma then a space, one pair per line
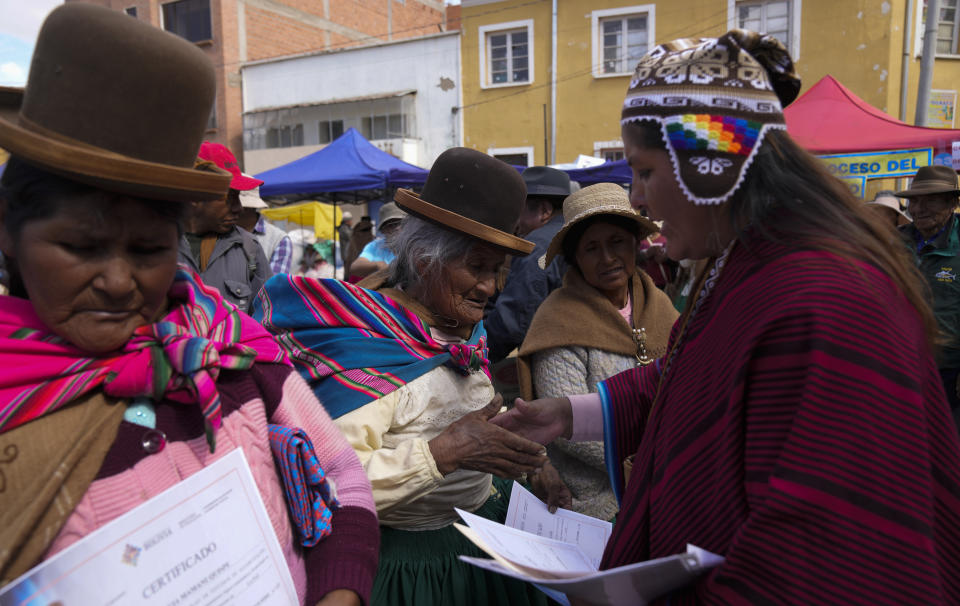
778, 18
947, 25
392, 126
330, 130
611, 150
285, 136
612, 154
515, 156
506, 54
620, 37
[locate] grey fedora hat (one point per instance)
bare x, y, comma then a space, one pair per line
546, 182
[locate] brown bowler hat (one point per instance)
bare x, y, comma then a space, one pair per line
474, 194
114, 103
932, 180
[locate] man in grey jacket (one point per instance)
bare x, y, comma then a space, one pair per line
527, 285
226, 256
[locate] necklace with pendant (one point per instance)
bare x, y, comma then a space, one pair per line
640, 338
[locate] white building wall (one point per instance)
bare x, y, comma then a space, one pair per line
429, 65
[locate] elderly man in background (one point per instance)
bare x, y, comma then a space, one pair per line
274, 241
227, 257
934, 239
527, 284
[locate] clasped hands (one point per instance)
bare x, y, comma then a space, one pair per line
472, 442
509, 445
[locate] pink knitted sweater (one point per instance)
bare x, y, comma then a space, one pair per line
347, 559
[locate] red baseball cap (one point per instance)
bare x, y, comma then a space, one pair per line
224, 158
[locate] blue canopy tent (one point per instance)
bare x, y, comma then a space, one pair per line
350, 167
608, 172
349, 164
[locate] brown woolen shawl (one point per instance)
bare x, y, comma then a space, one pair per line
577, 314
46, 466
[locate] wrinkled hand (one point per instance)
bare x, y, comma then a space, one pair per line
340, 597
472, 442
549, 488
541, 420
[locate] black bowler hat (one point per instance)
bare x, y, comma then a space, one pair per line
473, 194
546, 182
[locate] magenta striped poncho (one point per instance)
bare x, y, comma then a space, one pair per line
803, 433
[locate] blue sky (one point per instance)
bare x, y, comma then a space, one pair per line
18, 31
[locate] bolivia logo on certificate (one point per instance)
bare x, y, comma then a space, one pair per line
206, 540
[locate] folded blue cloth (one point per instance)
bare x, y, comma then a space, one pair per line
310, 497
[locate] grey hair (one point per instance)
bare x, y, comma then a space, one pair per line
421, 250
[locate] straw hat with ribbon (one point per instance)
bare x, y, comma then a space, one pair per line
474, 194
592, 201
115, 103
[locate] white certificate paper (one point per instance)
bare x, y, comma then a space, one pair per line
528, 513
206, 541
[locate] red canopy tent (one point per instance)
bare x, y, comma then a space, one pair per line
829, 119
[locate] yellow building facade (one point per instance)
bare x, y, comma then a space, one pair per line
543, 80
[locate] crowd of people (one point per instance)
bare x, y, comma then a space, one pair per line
735, 353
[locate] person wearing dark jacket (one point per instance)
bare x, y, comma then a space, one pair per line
934, 240
528, 284
225, 255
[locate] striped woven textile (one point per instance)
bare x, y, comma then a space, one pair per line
353, 345
803, 433
310, 496
178, 358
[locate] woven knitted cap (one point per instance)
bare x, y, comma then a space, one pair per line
714, 99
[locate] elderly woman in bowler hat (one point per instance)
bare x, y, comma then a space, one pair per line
797, 424
607, 316
402, 366
122, 374
934, 242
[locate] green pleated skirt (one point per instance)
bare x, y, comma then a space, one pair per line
422, 568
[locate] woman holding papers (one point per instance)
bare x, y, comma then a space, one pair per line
400, 361
797, 424
121, 374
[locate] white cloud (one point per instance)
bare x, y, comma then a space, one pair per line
12, 74
23, 19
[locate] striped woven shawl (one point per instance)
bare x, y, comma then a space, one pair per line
178, 358
353, 345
